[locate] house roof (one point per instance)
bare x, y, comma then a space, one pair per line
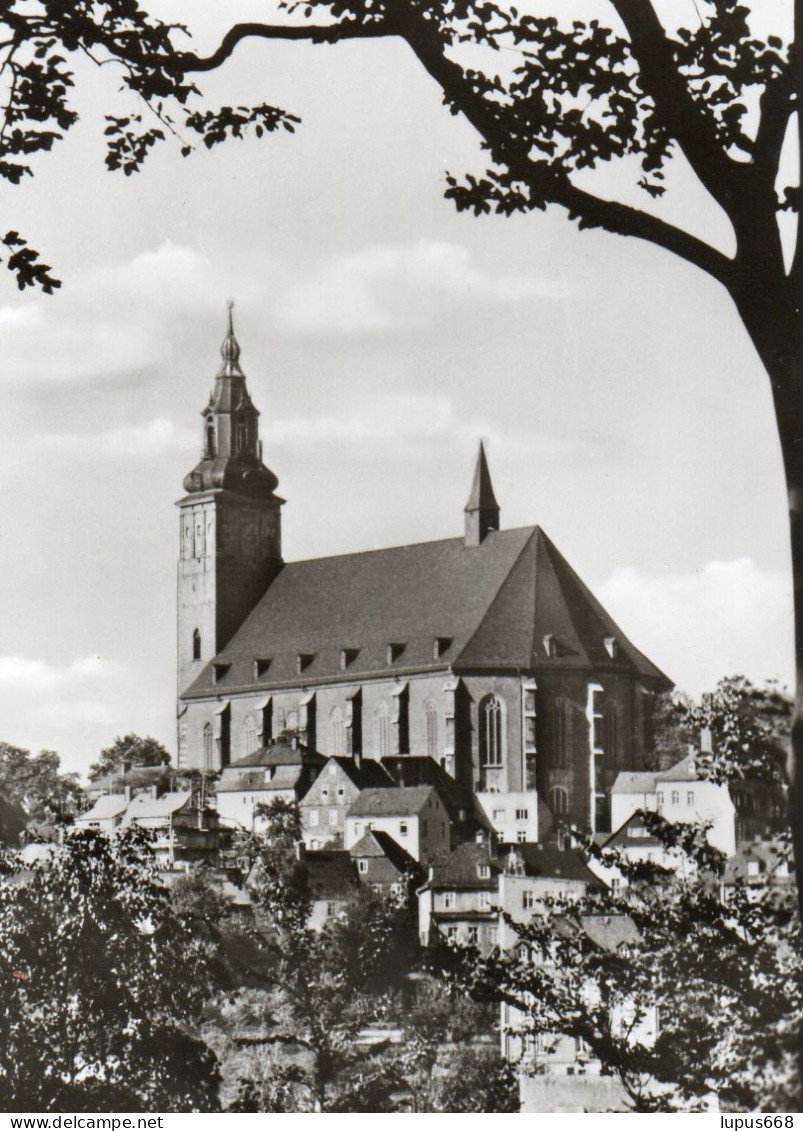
367, 774
278, 754
493, 603
252, 779
547, 861
377, 844
460, 870
105, 808
143, 805
330, 874
629, 781
684, 770
621, 838
397, 801
412, 770
610, 931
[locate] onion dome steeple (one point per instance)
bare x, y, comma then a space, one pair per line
232, 453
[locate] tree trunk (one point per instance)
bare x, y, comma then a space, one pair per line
772, 316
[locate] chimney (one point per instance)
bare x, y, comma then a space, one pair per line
127, 794
294, 741
357, 759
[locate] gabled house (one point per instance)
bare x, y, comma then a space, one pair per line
184, 830
324, 806
106, 814
284, 769
332, 882
459, 900
414, 816
383, 864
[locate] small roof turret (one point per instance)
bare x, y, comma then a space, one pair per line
482, 509
230, 350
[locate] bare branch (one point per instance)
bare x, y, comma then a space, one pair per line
322, 33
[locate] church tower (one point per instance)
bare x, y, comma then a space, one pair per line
230, 548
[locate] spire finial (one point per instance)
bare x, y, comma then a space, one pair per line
482, 509
230, 350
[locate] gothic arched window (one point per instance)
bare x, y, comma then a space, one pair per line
249, 737
196, 645
210, 437
209, 747
382, 729
559, 798
491, 731
431, 713
560, 734
338, 734
613, 734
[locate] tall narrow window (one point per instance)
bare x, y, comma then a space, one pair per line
431, 713
560, 801
210, 437
560, 729
382, 730
338, 732
249, 737
490, 721
209, 747
613, 735
242, 436
196, 645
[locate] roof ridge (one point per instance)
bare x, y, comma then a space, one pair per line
402, 546
534, 530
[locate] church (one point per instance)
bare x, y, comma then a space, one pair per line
485, 652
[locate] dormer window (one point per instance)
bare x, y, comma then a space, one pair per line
484, 871
261, 666
612, 646
303, 661
218, 672
550, 644
441, 645
348, 656
394, 651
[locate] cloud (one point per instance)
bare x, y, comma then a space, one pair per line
135, 441
112, 320
74, 708
727, 617
385, 287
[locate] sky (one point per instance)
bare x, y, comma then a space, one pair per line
382, 334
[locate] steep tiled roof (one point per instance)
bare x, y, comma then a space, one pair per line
235, 780
684, 770
279, 754
376, 844
639, 781
368, 774
394, 802
550, 862
106, 807
144, 805
460, 870
495, 602
330, 874
411, 770
621, 837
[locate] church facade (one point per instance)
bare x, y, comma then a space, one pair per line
485, 652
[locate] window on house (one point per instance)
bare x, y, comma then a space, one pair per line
358, 828
324, 793
347, 657
441, 646
559, 798
659, 797
473, 936
528, 900
337, 732
362, 866
616, 884
598, 721
613, 734
484, 871
196, 645
559, 718
636, 831
690, 797
303, 661
261, 666
499, 815
333, 816
500, 836
753, 867
491, 733
210, 437
403, 828
449, 900
485, 901
331, 910
522, 814
341, 791
675, 797
550, 644
431, 717
451, 934
394, 651
521, 836
313, 818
